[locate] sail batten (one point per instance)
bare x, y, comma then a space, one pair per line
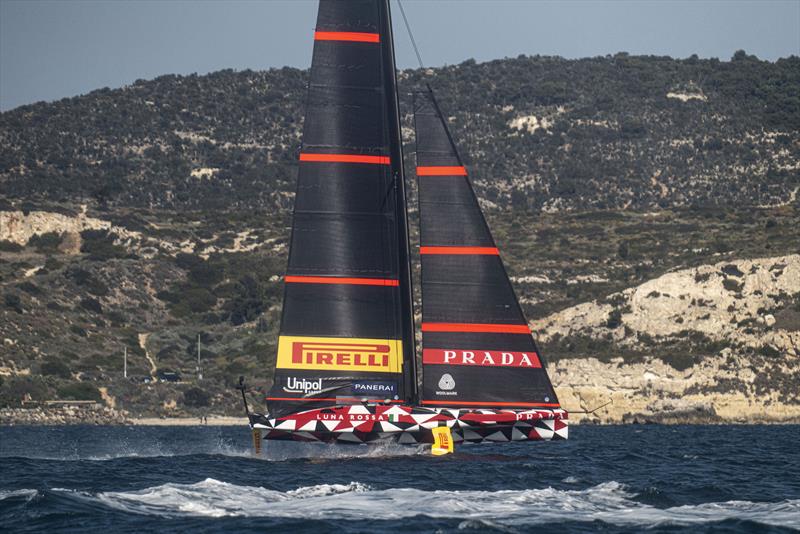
477, 347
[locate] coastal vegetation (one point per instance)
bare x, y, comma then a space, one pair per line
142, 220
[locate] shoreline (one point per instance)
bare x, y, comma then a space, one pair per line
187, 421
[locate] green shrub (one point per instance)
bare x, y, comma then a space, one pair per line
769, 351
80, 391
196, 398
13, 301
193, 300
187, 261
206, 274
92, 305
9, 246
52, 264
88, 281
55, 368
77, 330
732, 285
117, 318
46, 243
99, 245
614, 319
30, 288
624, 250
17, 388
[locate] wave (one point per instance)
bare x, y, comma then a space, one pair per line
272, 451
27, 494
609, 502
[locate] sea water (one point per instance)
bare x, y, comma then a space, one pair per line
204, 479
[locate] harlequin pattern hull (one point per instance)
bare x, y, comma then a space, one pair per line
412, 424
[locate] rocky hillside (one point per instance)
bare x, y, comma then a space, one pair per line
717, 342
646, 208
656, 310
537, 132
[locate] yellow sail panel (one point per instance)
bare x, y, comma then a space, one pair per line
340, 354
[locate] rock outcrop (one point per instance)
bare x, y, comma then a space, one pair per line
731, 303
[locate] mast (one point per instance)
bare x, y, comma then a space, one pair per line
398, 172
347, 326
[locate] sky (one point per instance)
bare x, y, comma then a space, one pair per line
51, 49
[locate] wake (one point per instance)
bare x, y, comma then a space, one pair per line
608, 502
271, 452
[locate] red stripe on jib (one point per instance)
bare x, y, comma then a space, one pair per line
481, 358
345, 158
356, 37
336, 280
485, 251
477, 327
442, 171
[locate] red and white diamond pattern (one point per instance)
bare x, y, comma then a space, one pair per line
412, 424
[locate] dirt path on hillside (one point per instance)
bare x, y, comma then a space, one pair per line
143, 344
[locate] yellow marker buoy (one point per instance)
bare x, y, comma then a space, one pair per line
442, 441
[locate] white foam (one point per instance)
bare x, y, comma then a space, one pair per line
10, 494
609, 502
273, 451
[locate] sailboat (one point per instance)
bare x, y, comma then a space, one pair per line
347, 369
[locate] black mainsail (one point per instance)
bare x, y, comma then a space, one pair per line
477, 347
347, 325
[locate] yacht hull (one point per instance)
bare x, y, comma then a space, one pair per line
412, 424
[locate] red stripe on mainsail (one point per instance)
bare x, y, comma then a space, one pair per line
338, 280
345, 158
477, 327
358, 37
487, 251
478, 403
441, 170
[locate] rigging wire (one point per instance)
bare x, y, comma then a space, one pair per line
410, 34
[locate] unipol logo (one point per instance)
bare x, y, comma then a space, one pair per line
482, 358
301, 385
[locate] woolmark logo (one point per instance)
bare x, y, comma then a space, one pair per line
446, 385
338, 354
446, 382
301, 385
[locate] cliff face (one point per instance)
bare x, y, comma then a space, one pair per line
746, 308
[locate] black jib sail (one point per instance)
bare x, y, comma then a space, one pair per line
347, 326
477, 348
